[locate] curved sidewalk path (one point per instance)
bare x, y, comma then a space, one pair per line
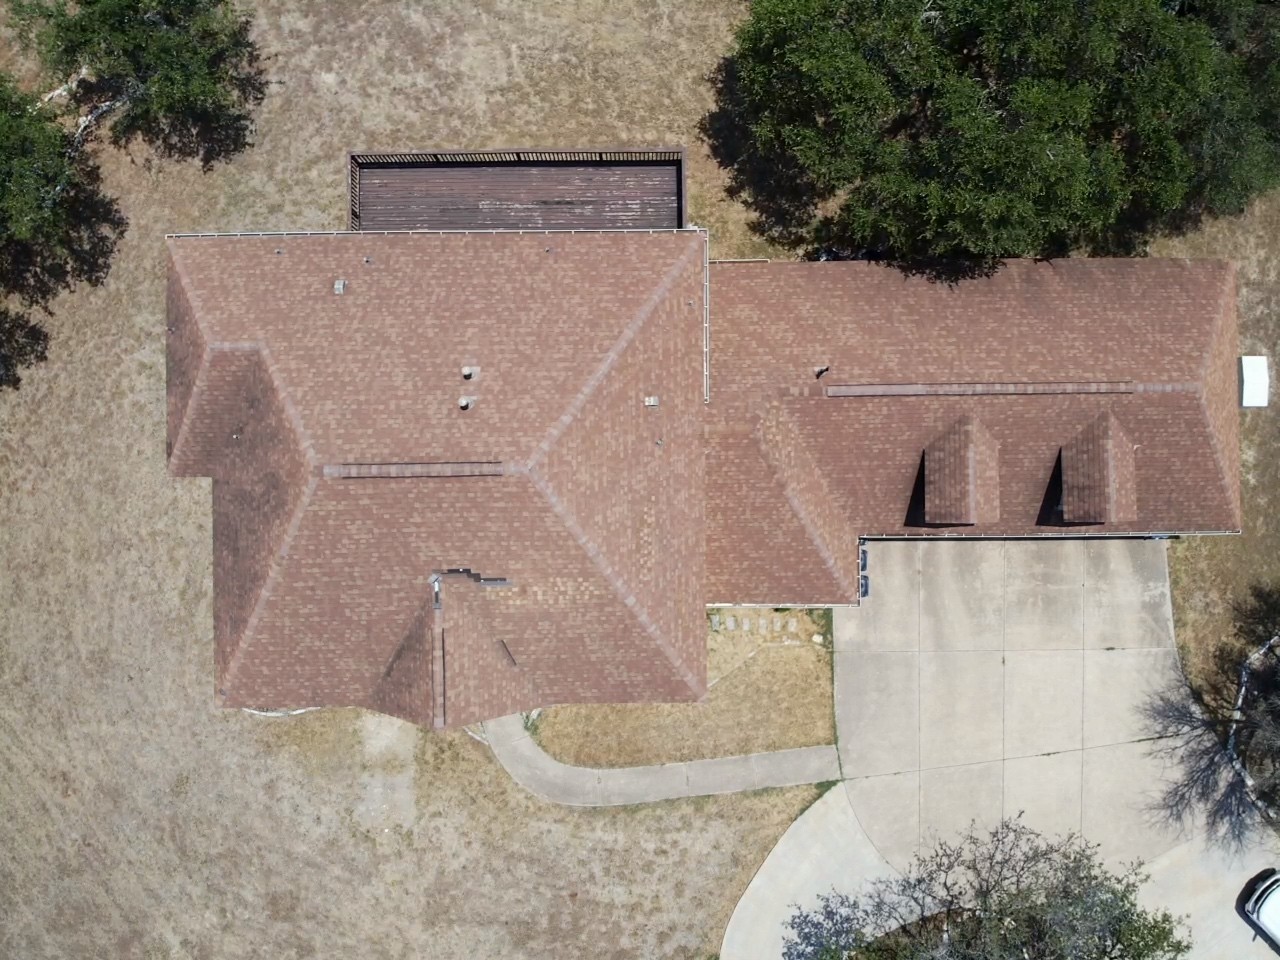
531, 767
825, 847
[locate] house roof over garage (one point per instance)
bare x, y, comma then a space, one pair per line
1036, 354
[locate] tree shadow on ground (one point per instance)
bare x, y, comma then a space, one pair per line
34, 272
1190, 724
787, 203
765, 177
211, 131
23, 343
1257, 618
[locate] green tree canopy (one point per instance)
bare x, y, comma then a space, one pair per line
990, 128
35, 170
1008, 893
182, 74
56, 227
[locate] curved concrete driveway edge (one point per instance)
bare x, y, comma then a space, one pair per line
819, 853
530, 766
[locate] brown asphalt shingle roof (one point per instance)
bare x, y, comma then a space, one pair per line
1035, 354
962, 475
346, 476
1098, 474
361, 517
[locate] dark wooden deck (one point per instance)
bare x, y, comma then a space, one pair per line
518, 190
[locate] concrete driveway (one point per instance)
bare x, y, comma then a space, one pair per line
983, 679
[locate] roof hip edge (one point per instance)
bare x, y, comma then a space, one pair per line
625, 339
1227, 315
803, 511
619, 588
268, 585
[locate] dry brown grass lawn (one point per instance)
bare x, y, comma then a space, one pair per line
1210, 575
138, 821
764, 696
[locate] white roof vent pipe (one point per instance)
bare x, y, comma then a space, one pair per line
1255, 382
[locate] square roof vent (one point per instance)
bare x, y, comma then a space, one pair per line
339, 286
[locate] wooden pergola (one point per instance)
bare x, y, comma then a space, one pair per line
518, 190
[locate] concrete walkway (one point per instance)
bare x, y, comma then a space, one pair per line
822, 850
531, 767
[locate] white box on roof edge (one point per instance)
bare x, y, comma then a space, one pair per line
1255, 382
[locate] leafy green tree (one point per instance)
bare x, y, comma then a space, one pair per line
35, 170
56, 227
989, 128
183, 75
1009, 893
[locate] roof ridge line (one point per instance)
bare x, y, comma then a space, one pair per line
1219, 461
268, 584
433, 233
300, 432
198, 388
629, 600
625, 339
1226, 299
530, 692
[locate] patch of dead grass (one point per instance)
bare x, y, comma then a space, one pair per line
325, 742
777, 698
